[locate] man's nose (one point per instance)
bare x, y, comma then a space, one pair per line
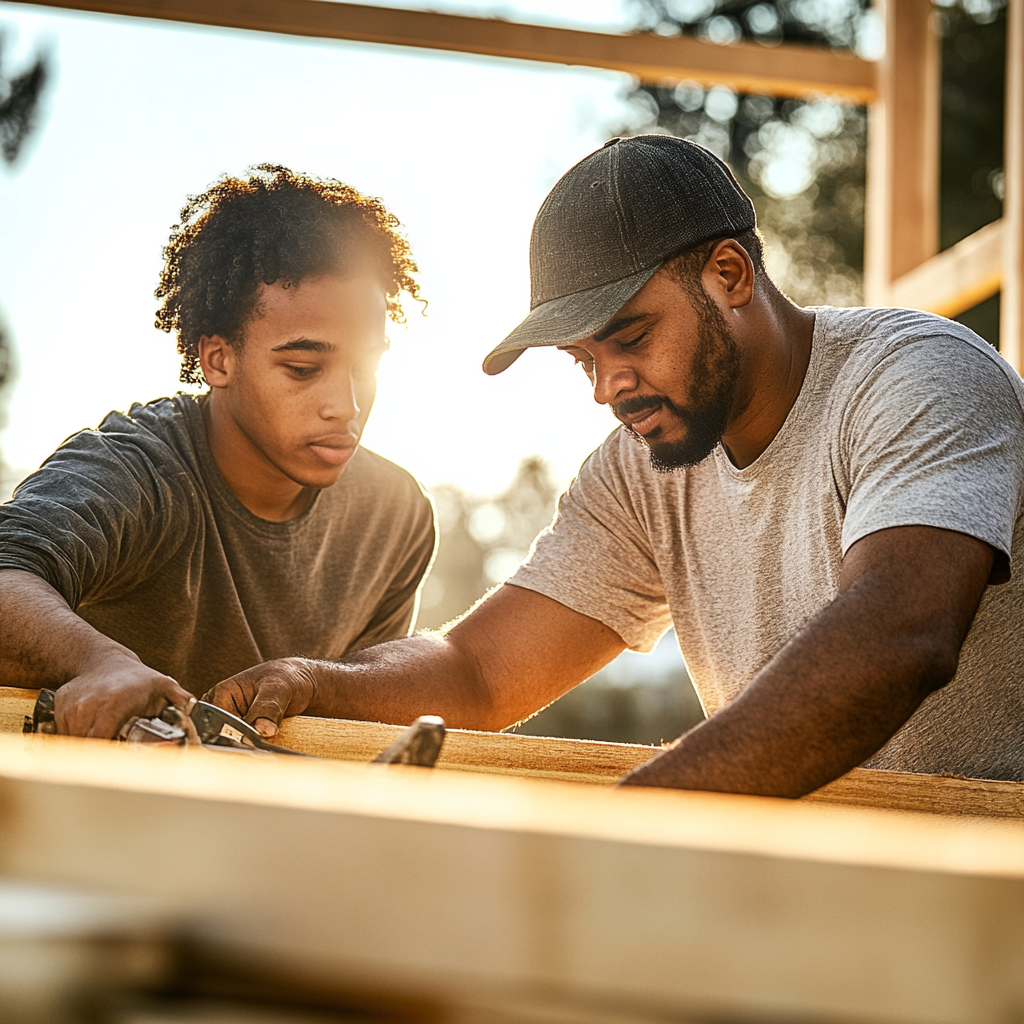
613, 380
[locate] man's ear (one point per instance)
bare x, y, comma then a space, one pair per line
217, 358
730, 273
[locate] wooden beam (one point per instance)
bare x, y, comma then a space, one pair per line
590, 761
1011, 323
747, 67
518, 899
902, 216
957, 279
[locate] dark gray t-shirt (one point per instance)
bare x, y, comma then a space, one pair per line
903, 419
134, 526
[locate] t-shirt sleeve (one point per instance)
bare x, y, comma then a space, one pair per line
94, 520
596, 557
395, 615
934, 436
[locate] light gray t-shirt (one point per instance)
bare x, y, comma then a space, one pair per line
134, 526
903, 418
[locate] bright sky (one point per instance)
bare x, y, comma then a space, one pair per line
463, 150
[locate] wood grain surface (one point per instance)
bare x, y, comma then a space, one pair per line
591, 761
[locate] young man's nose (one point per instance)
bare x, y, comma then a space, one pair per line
341, 403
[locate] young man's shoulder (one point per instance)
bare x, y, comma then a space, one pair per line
382, 484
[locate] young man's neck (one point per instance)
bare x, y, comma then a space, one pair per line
253, 479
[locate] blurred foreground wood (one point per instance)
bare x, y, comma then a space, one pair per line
602, 763
492, 899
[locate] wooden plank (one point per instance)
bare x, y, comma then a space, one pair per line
957, 279
1011, 322
591, 761
517, 899
747, 67
902, 216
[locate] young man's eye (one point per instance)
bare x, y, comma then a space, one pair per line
302, 371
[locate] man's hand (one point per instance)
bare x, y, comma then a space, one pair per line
101, 699
264, 694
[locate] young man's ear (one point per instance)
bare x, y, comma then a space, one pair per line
217, 358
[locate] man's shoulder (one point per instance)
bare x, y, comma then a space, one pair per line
866, 338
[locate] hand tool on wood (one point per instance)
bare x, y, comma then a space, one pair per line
419, 745
212, 727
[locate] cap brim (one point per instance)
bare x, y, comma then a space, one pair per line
567, 319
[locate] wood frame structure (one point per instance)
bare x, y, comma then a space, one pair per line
901, 264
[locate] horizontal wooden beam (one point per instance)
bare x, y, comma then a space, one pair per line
590, 761
957, 279
746, 67
522, 900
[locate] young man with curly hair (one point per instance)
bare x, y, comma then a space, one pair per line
191, 538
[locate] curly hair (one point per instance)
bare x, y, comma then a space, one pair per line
273, 225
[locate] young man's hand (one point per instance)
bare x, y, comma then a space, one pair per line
99, 700
267, 693
100, 684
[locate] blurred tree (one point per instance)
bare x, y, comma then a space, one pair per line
19, 109
803, 161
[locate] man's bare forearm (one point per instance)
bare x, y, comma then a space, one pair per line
513, 654
42, 641
402, 679
840, 689
821, 707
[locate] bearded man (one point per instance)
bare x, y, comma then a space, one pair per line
825, 503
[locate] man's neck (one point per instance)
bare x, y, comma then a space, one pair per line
253, 479
776, 354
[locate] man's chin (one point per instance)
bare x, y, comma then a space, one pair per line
671, 456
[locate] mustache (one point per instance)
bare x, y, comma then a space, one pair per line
638, 403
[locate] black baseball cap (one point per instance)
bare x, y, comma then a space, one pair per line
609, 224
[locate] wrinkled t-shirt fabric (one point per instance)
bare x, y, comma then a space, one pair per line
903, 418
133, 524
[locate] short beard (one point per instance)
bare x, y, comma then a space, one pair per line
716, 371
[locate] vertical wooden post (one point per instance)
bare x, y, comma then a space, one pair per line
902, 222
1011, 322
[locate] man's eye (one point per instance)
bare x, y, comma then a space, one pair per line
302, 371
634, 342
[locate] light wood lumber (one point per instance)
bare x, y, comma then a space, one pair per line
958, 278
590, 761
747, 67
521, 899
1011, 316
902, 215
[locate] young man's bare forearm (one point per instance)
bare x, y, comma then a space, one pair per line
42, 641
101, 683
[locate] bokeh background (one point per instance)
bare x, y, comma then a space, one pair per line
107, 124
